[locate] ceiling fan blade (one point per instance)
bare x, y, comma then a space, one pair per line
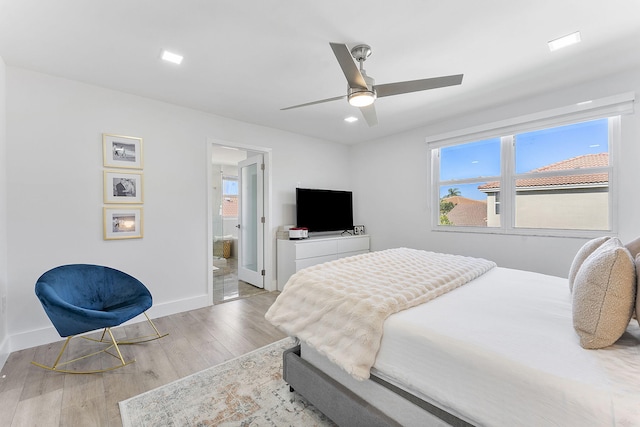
369, 114
417, 85
315, 102
349, 68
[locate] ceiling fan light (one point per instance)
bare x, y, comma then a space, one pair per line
361, 99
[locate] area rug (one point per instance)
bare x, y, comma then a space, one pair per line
246, 391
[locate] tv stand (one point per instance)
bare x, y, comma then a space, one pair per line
294, 255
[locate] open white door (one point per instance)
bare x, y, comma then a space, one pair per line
251, 215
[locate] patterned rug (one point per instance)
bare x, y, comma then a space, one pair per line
246, 391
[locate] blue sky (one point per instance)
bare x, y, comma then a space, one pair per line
230, 186
533, 150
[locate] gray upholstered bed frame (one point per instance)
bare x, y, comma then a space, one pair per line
342, 405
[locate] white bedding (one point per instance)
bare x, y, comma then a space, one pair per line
502, 351
339, 307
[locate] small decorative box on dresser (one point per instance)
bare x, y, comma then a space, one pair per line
294, 255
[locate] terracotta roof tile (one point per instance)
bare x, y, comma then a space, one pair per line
580, 162
457, 200
467, 212
469, 215
230, 206
586, 161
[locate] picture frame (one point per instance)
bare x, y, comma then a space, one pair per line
123, 187
121, 151
123, 222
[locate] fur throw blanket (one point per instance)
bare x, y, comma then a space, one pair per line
339, 307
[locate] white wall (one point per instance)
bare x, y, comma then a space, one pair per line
4, 341
55, 200
389, 178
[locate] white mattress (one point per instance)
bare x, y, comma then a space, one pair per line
502, 351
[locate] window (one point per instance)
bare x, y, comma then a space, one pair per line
229, 197
553, 179
562, 177
547, 173
464, 170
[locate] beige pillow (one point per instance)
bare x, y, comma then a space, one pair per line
582, 254
637, 313
634, 247
604, 295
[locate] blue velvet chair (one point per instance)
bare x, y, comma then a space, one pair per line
80, 298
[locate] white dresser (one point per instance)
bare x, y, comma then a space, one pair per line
294, 255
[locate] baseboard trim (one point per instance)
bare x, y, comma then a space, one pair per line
4, 352
49, 334
179, 306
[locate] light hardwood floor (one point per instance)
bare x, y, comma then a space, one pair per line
198, 339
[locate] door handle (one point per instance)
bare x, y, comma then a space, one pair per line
238, 226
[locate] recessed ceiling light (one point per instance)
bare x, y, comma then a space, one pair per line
564, 41
171, 57
584, 102
351, 119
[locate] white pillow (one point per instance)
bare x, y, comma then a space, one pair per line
582, 254
604, 294
637, 312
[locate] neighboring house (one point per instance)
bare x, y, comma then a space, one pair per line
544, 202
230, 206
467, 212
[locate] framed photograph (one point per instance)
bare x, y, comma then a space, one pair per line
122, 187
122, 151
122, 222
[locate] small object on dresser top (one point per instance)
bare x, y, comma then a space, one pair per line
298, 233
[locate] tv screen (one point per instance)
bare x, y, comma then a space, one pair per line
324, 210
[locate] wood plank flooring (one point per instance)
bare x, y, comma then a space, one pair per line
198, 339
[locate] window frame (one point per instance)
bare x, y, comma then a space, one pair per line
611, 108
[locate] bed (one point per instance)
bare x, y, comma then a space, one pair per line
506, 347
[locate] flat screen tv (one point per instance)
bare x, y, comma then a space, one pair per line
324, 210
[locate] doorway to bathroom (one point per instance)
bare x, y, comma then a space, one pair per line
237, 199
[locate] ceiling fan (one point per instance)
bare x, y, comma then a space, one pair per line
362, 90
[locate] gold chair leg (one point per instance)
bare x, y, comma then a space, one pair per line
62, 367
137, 340
64, 347
111, 343
115, 345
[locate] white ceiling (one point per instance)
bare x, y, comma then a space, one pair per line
248, 59
227, 156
